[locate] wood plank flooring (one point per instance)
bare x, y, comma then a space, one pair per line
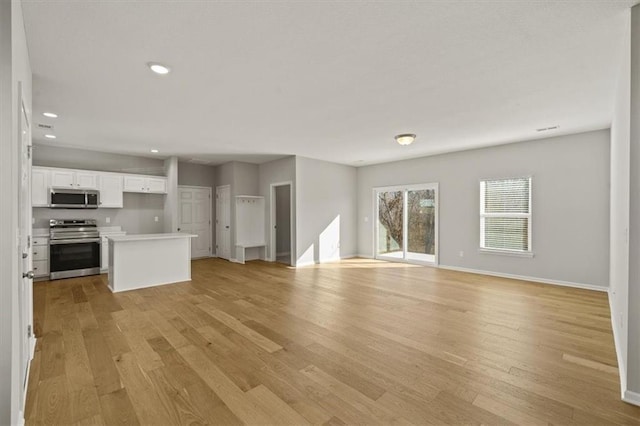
353, 342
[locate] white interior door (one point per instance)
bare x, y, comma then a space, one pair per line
25, 293
195, 218
223, 221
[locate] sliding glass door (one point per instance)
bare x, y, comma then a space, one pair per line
407, 223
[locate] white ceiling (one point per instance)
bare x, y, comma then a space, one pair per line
334, 80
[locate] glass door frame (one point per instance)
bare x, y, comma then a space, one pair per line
405, 222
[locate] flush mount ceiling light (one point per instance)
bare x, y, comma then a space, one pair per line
50, 136
405, 139
155, 151
50, 115
158, 68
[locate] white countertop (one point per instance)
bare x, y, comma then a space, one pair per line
144, 237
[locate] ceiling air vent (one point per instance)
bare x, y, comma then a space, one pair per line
199, 161
45, 126
546, 129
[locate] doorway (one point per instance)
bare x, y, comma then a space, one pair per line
281, 223
407, 223
195, 218
223, 221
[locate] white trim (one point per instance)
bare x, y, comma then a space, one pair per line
616, 341
527, 278
506, 252
272, 222
631, 397
364, 256
32, 353
435, 186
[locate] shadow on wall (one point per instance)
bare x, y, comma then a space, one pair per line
326, 247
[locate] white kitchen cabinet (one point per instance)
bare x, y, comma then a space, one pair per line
80, 179
157, 185
40, 187
62, 178
86, 180
145, 184
111, 190
134, 184
40, 257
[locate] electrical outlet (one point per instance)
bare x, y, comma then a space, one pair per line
366, 219
461, 254
108, 220
155, 218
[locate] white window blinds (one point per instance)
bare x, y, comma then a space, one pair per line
505, 214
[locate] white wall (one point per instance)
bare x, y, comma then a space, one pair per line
243, 179
277, 171
570, 211
325, 211
139, 210
136, 217
633, 360
50, 155
14, 68
171, 199
619, 212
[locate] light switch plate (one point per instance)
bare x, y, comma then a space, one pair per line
108, 220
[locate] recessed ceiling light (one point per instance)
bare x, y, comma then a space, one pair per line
158, 68
50, 136
50, 115
155, 151
405, 138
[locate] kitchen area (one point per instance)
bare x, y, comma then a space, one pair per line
85, 221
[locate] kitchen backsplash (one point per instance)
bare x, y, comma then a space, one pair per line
136, 217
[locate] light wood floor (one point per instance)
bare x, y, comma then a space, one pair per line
355, 342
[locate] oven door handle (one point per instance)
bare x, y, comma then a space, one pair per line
74, 241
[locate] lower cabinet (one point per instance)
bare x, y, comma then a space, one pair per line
40, 257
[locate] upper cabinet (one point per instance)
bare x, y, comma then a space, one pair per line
62, 178
111, 190
110, 185
146, 184
40, 187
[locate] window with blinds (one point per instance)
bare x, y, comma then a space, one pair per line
505, 215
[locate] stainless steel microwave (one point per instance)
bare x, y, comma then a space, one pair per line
64, 198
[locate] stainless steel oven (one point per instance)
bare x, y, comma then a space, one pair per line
74, 248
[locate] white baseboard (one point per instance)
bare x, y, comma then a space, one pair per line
364, 256
631, 397
526, 278
616, 341
32, 353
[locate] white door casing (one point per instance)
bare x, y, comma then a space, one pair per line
25, 292
195, 218
223, 221
272, 216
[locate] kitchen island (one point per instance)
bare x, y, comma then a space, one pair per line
148, 260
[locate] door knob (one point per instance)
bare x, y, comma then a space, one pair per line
227, 226
178, 229
29, 275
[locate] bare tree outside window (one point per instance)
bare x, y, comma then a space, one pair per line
420, 221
